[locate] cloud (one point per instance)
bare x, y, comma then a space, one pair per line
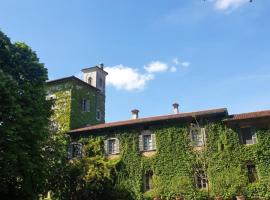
173, 69
228, 4
127, 78
156, 66
185, 64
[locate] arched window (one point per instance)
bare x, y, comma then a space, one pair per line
89, 80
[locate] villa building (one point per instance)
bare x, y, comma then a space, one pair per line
187, 154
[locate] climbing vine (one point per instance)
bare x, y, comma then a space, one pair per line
175, 161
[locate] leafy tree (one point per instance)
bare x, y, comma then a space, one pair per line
24, 117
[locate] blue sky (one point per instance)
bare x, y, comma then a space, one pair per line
200, 54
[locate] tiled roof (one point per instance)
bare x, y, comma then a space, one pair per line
71, 78
213, 112
251, 115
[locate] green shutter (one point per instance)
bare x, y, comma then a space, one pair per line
153, 138
117, 144
141, 142
106, 147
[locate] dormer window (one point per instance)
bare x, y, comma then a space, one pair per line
111, 146
147, 141
248, 135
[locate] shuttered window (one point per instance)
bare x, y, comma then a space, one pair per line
111, 146
147, 141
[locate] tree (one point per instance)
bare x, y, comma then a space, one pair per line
24, 117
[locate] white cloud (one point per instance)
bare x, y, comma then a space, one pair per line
173, 69
156, 66
178, 62
185, 64
228, 4
127, 78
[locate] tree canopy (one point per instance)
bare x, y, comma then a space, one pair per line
24, 117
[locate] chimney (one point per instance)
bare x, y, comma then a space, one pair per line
135, 114
175, 108
101, 65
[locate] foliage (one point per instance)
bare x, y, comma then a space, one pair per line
175, 163
24, 116
88, 177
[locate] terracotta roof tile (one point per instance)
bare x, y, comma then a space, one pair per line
250, 115
152, 119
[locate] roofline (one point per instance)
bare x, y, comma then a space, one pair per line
71, 78
154, 119
95, 67
248, 115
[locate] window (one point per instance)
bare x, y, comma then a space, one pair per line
147, 141
89, 80
75, 150
111, 146
98, 115
248, 135
100, 82
197, 135
148, 181
252, 173
201, 179
85, 105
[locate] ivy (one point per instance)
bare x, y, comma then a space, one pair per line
175, 163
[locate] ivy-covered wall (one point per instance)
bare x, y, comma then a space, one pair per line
67, 109
175, 162
80, 118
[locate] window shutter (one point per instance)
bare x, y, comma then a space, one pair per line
117, 144
153, 138
203, 133
141, 142
254, 135
70, 150
106, 147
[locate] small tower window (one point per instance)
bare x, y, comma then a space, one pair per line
98, 115
89, 80
100, 82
